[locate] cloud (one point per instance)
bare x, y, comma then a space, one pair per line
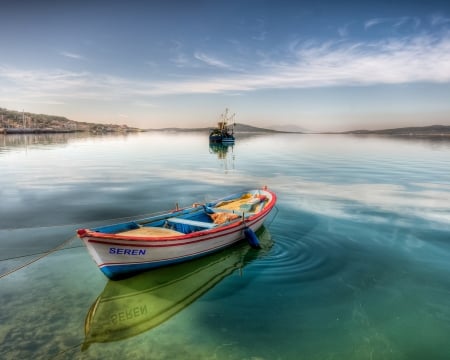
437, 20
396, 23
71, 55
383, 62
407, 20
211, 61
423, 58
373, 22
394, 61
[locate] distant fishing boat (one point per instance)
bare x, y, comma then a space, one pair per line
123, 249
132, 306
224, 132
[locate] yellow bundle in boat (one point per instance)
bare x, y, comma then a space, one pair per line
234, 204
221, 218
151, 231
246, 203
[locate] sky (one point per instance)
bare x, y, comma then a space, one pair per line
317, 65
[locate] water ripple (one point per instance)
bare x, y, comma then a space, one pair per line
298, 257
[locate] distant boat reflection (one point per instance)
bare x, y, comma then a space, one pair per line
224, 153
132, 306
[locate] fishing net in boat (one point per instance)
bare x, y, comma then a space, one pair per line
245, 203
221, 218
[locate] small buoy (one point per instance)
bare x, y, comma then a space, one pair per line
252, 238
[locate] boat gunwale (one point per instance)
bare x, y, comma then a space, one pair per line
205, 236
93, 235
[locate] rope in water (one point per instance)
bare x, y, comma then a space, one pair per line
273, 217
37, 258
90, 222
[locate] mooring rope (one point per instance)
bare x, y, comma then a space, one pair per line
126, 218
37, 258
273, 217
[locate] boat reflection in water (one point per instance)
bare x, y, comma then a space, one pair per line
129, 307
224, 153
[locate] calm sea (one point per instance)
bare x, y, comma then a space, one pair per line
356, 263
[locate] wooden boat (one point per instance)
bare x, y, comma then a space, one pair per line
138, 304
123, 249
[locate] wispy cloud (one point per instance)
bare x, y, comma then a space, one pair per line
54, 86
395, 61
373, 22
71, 55
396, 22
414, 21
438, 19
421, 58
211, 61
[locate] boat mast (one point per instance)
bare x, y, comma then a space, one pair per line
223, 120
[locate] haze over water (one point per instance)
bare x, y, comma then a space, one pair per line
357, 268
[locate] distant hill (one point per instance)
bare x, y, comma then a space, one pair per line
10, 119
238, 128
25, 122
292, 128
433, 130
242, 128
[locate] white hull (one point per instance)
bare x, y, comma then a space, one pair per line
118, 255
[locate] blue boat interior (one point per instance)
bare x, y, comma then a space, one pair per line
186, 220
187, 224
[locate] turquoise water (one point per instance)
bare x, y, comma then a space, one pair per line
358, 268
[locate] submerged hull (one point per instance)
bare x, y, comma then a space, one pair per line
119, 255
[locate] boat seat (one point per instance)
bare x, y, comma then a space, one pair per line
191, 222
